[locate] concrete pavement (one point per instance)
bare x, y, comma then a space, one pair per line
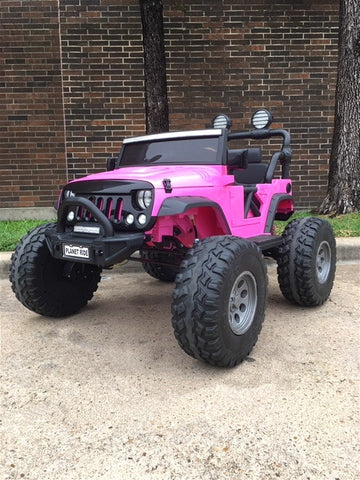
107, 394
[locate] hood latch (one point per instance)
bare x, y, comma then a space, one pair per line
167, 185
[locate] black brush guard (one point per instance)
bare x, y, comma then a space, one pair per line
104, 249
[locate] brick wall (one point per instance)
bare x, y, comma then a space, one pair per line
103, 79
230, 56
236, 56
32, 147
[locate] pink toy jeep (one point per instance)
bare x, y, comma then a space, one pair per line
199, 207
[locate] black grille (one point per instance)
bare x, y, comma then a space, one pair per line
109, 205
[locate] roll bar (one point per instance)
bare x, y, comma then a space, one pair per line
263, 134
284, 156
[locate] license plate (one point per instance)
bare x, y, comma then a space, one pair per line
75, 251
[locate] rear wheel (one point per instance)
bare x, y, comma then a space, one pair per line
46, 285
219, 300
307, 261
155, 265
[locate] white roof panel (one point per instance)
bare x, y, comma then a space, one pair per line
213, 132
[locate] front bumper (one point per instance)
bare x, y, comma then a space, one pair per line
101, 251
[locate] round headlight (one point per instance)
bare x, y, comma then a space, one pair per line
261, 119
68, 194
144, 198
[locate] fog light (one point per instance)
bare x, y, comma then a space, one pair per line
70, 216
222, 121
261, 119
142, 219
130, 219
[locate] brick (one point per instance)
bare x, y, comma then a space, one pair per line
230, 56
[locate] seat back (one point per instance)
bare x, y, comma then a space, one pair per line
237, 158
254, 172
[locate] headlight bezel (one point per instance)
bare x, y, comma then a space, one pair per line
144, 199
67, 193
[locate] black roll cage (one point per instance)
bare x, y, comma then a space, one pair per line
284, 156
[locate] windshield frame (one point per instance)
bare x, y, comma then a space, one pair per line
167, 137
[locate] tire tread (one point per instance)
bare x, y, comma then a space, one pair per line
26, 267
295, 261
194, 322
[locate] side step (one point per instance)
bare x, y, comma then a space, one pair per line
267, 242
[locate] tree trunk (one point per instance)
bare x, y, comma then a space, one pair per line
343, 193
156, 102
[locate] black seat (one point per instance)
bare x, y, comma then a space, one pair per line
254, 172
248, 172
237, 158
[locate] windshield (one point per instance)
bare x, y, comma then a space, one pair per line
194, 151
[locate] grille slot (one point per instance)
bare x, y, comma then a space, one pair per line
109, 205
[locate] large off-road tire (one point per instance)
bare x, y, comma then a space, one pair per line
164, 273
219, 300
307, 261
46, 285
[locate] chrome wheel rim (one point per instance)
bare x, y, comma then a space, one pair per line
242, 303
323, 261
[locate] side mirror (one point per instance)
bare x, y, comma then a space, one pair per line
111, 163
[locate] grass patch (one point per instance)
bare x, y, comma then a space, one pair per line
11, 232
343, 225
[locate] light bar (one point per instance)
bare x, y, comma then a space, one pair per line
86, 229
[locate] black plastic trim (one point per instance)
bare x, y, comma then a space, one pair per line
104, 251
124, 191
262, 134
276, 199
82, 202
267, 242
177, 205
108, 187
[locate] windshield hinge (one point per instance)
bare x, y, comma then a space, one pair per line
167, 185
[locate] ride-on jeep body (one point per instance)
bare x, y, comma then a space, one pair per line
200, 210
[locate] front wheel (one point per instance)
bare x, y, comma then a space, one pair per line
219, 300
307, 261
48, 286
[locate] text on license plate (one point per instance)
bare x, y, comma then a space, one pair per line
75, 251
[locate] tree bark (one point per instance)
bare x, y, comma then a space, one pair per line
156, 102
343, 193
